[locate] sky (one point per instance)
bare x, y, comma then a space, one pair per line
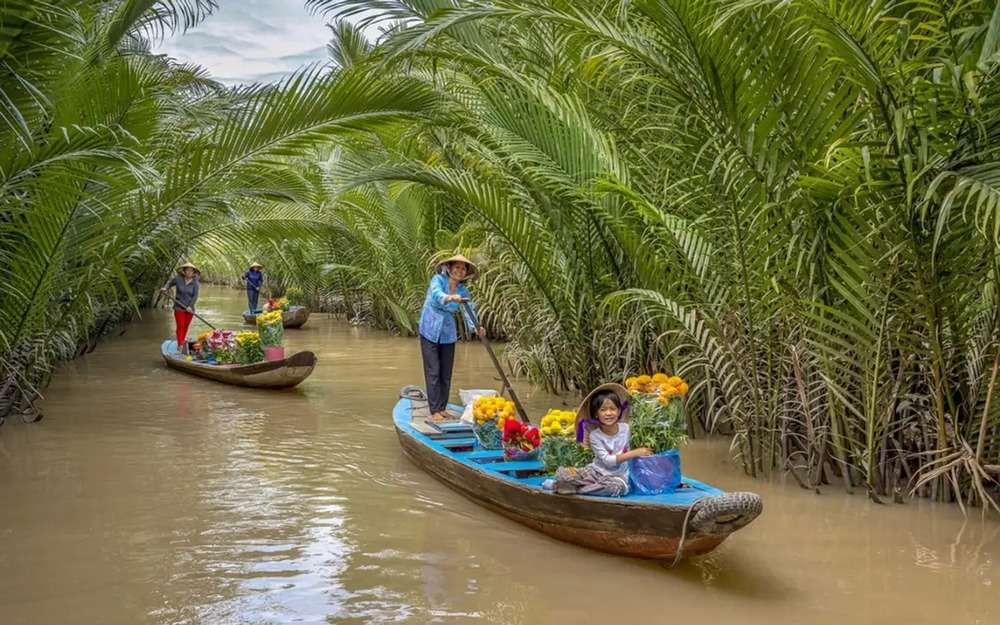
248, 41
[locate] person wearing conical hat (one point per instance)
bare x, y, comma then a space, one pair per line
185, 285
254, 278
438, 330
602, 424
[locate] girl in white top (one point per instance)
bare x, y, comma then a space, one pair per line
608, 407
601, 424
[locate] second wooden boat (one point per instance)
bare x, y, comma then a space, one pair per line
278, 374
294, 317
688, 521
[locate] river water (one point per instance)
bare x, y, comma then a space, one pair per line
149, 496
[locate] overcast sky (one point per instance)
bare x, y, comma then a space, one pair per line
253, 40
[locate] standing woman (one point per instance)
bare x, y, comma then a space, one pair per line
255, 282
185, 283
438, 332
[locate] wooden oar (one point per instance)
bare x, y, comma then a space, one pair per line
203, 320
496, 363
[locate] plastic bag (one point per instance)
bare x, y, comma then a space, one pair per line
488, 436
470, 396
657, 474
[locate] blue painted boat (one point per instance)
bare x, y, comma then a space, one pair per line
691, 520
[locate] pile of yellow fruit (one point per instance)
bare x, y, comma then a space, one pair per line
486, 408
660, 384
558, 423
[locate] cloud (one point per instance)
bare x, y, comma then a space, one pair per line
253, 41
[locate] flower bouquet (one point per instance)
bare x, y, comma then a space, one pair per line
657, 422
559, 447
222, 345
271, 331
520, 441
294, 296
490, 413
248, 348
277, 303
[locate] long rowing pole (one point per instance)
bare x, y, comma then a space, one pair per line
203, 320
496, 363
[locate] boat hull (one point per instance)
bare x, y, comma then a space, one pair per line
642, 527
295, 317
273, 375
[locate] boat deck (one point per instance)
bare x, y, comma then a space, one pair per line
455, 440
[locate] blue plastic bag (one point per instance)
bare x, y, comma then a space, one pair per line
657, 474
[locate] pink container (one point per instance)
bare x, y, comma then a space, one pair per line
274, 353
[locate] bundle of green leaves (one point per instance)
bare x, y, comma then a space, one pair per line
562, 451
656, 426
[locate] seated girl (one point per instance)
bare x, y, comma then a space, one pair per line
602, 424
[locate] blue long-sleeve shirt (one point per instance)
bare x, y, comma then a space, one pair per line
254, 279
437, 319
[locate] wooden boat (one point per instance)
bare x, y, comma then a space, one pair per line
294, 317
689, 521
278, 374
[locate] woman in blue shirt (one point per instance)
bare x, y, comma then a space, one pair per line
438, 332
255, 280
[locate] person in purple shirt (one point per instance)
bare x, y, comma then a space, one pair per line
254, 279
438, 331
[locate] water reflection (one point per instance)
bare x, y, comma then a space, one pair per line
149, 496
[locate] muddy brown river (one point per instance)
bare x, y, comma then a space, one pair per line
149, 496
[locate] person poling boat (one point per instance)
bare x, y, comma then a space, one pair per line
254, 279
438, 331
185, 285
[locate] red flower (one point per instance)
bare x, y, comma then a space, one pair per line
533, 437
512, 429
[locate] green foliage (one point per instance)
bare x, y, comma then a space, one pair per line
792, 204
658, 428
559, 451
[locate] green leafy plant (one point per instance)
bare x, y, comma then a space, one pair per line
561, 451
657, 427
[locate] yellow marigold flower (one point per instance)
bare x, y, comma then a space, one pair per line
683, 388
670, 392
643, 380
675, 381
660, 378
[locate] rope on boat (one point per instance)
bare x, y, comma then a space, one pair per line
684, 528
413, 392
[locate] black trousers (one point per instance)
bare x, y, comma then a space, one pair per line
439, 360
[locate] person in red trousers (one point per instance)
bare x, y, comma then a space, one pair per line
185, 285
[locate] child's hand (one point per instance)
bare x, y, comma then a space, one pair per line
642, 452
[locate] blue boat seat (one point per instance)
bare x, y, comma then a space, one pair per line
457, 442
483, 455
504, 467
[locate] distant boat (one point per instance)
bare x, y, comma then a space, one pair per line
695, 518
277, 374
294, 317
